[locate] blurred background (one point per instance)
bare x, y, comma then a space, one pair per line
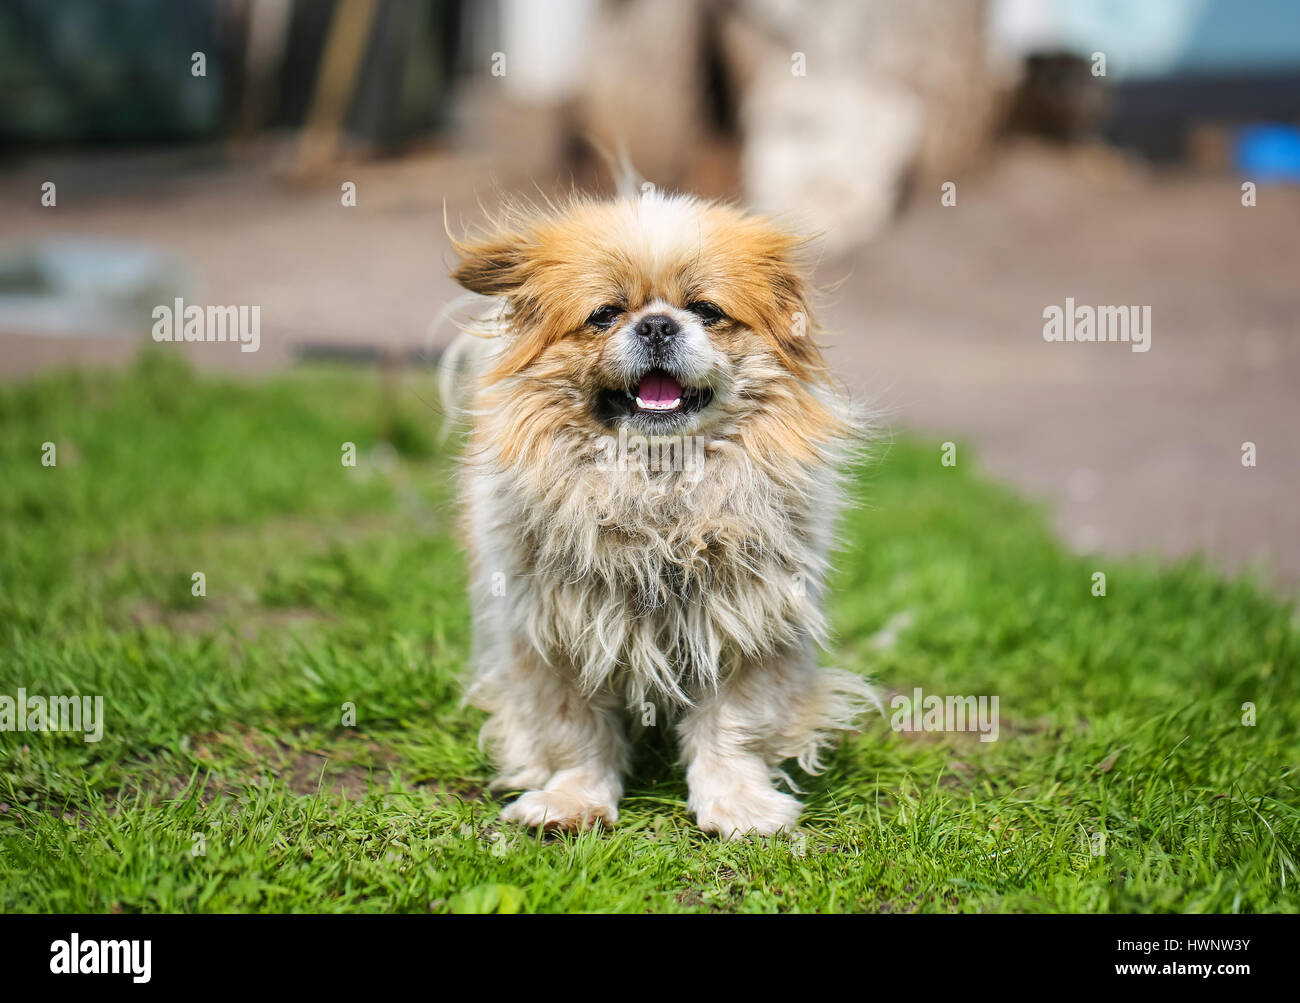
299, 155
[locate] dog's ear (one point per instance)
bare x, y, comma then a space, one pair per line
776, 294
495, 265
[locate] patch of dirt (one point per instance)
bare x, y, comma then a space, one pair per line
344, 774
249, 544
247, 622
311, 773
957, 775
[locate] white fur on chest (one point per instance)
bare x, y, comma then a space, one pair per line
655, 583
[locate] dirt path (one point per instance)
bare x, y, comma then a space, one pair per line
1135, 452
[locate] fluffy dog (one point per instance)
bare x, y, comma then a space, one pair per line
649, 488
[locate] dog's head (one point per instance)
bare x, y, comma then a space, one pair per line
663, 315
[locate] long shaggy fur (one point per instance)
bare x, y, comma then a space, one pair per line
605, 598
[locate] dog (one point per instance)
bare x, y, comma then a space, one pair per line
650, 481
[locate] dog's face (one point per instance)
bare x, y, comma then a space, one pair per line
663, 315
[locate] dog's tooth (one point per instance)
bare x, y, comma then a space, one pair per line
657, 407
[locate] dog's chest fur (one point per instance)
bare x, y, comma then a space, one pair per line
656, 582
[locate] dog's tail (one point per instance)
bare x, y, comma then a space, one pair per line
836, 701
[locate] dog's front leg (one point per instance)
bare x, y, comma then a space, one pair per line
568, 747
728, 776
736, 736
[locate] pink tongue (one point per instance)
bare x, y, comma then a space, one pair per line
659, 388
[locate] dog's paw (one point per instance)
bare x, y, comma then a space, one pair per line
747, 811
559, 811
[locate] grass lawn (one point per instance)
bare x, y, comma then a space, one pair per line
1123, 777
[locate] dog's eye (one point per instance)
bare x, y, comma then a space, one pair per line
605, 316
706, 311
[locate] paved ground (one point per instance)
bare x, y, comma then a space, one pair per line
1135, 452
939, 321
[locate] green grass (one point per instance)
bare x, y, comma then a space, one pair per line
226, 780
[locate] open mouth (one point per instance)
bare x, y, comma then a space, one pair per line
657, 396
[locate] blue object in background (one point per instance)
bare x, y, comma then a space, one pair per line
1268, 154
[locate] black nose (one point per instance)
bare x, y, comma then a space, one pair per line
657, 329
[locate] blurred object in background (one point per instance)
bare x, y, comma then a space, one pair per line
1058, 98
1270, 154
381, 71
83, 71
822, 111
830, 111
884, 94
66, 287
1182, 75
656, 86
